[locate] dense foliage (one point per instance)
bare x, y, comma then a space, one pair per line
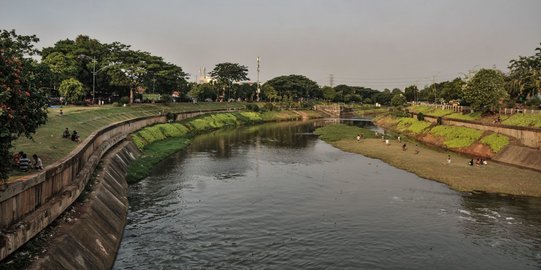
22, 107
486, 90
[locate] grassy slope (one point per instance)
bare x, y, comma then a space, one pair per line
431, 164
51, 147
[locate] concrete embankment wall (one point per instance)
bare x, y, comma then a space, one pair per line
91, 239
31, 203
530, 137
520, 156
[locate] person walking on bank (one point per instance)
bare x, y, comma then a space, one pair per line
448, 159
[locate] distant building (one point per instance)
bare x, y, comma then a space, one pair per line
203, 76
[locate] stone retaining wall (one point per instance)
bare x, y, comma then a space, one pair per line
31, 203
92, 238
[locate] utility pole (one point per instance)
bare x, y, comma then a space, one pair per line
331, 80
434, 84
258, 90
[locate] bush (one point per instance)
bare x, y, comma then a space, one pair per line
308, 104
124, 100
139, 142
171, 117
252, 107
251, 116
420, 116
269, 106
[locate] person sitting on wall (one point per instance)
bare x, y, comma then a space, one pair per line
75, 136
24, 163
38, 164
66, 133
16, 158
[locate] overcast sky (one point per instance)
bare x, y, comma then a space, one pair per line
379, 44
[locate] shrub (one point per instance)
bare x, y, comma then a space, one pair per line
496, 142
124, 100
251, 116
420, 116
138, 141
269, 106
169, 130
252, 107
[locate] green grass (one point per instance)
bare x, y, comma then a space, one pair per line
457, 137
338, 132
279, 116
495, 141
429, 110
51, 147
524, 120
470, 116
412, 125
152, 155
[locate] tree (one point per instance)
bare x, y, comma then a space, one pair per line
62, 66
328, 93
398, 100
227, 73
525, 76
72, 90
485, 90
22, 110
269, 92
295, 87
411, 92
203, 91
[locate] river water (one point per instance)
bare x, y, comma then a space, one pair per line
276, 197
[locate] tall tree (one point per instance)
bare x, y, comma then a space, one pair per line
72, 89
525, 76
22, 109
411, 92
485, 90
295, 87
227, 73
328, 93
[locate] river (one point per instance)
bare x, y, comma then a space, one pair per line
274, 196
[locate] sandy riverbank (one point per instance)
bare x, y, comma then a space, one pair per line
432, 164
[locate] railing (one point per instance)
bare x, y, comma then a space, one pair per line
524, 111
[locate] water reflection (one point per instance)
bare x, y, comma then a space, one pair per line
275, 197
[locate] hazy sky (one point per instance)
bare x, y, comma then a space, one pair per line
375, 43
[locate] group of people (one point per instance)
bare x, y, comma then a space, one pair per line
21, 161
74, 136
478, 162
